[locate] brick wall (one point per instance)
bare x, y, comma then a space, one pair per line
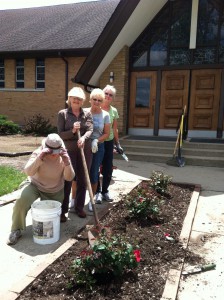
20, 104
120, 67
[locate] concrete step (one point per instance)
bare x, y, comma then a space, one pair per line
194, 153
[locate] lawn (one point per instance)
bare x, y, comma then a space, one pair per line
10, 179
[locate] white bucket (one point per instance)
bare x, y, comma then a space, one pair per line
46, 221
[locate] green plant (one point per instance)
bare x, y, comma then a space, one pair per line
142, 203
159, 182
109, 256
8, 127
10, 179
38, 125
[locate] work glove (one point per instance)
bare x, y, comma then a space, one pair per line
94, 145
65, 157
44, 152
119, 148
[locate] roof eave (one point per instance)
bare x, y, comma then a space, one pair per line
119, 18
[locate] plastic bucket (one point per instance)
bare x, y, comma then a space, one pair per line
46, 221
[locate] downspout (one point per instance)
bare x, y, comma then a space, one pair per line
66, 77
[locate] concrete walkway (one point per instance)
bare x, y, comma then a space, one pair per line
21, 263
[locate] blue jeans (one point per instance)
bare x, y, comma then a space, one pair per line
107, 165
96, 162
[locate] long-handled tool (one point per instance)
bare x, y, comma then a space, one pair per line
89, 187
180, 160
199, 269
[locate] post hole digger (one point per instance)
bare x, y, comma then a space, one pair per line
92, 234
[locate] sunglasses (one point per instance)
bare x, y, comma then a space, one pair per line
97, 100
107, 94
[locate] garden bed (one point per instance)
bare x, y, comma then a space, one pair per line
157, 239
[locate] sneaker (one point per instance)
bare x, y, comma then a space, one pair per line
90, 206
71, 203
107, 197
13, 237
98, 198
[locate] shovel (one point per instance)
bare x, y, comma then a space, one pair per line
89, 187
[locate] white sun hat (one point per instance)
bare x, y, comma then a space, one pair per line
53, 142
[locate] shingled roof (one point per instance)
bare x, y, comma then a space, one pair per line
74, 26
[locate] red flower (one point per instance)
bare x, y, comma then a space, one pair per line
137, 254
140, 199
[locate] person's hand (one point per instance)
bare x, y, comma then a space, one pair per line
44, 152
65, 157
119, 148
94, 145
81, 142
76, 127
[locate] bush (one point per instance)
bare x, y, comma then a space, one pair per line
38, 125
8, 127
159, 182
142, 203
109, 256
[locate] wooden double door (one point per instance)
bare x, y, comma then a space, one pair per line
199, 90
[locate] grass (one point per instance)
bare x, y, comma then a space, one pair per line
10, 179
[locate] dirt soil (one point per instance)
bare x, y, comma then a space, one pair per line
158, 255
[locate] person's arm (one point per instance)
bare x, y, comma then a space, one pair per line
88, 126
65, 135
116, 137
106, 133
33, 164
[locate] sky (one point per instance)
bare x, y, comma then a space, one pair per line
13, 4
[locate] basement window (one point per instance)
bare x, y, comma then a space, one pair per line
40, 74
2, 74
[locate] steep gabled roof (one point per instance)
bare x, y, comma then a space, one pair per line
125, 25
68, 27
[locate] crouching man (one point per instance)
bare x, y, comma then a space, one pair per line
47, 169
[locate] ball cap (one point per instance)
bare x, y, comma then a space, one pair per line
53, 142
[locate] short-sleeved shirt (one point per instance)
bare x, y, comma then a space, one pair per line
113, 116
99, 120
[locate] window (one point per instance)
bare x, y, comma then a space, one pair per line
40, 74
165, 41
20, 73
2, 73
142, 92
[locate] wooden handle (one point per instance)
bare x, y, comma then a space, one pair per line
179, 132
89, 187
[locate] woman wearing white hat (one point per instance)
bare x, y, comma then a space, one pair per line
70, 121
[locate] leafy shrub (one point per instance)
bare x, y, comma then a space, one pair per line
38, 125
142, 203
8, 127
109, 256
159, 182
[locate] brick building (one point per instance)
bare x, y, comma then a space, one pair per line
160, 55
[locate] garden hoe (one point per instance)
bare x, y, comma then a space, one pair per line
98, 228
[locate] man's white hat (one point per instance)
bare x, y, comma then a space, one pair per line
77, 92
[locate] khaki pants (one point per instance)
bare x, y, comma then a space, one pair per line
29, 194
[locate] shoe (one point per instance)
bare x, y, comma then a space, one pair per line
13, 237
81, 213
107, 197
90, 206
71, 203
98, 198
63, 218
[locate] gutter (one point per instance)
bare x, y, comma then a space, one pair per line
66, 76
